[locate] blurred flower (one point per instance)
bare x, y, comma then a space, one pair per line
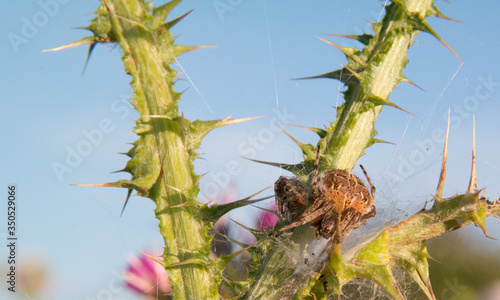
32, 276
148, 277
228, 195
267, 219
491, 292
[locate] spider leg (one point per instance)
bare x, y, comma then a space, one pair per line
372, 187
314, 182
317, 210
337, 238
350, 219
371, 213
328, 223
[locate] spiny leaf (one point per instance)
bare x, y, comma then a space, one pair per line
168, 25
160, 13
197, 130
216, 211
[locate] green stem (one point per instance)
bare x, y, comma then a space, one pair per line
163, 139
370, 76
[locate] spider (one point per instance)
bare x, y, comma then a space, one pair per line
340, 202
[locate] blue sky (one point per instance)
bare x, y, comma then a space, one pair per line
50, 109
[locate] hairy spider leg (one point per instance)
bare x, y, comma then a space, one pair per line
319, 208
350, 217
312, 212
372, 187
314, 182
336, 238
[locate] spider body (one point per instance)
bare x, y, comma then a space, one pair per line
340, 202
291, 197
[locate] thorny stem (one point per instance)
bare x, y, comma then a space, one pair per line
161, 163
370, 76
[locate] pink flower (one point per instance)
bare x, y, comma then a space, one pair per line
148, 277
267, 219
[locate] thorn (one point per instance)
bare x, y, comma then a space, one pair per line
253, 195
222, 209
112, 13
259, 199
111, 184
228, 121
173, 187
234, 254
380, 101
427, 28
251, 230
383, 141
106, 4
486, 234
473, 174
265, 209
440, 15
442, 176
279, 165
346, 50
223, 122
185, 204
450, 19
363, 38
126, 201
119, 184
291, 137
432, 258
303, 147
354, 73
122, 170
241, 244
86, 40
322, 133
412, 83
195, 261
172, 23
429, 289
437, 199
91, 48
337, 75
153, 258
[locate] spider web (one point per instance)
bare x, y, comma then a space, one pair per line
391, 207
389, 212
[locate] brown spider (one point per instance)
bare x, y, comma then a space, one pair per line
340, 202
291, 197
